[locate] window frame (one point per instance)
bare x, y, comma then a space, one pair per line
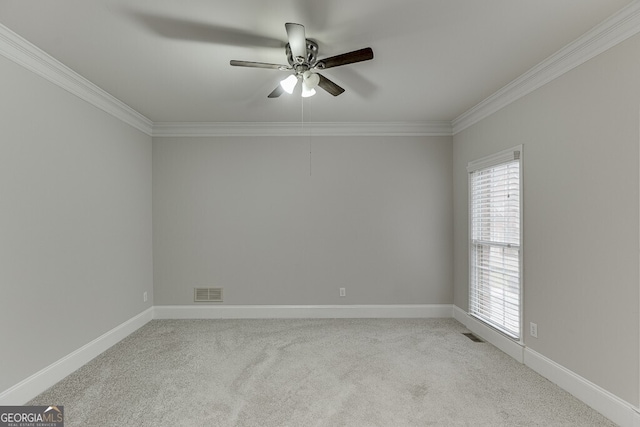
502, 157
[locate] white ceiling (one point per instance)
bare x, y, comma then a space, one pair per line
434, 59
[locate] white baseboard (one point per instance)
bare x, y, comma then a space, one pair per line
512, 348
609, 405
301, 311
29, 388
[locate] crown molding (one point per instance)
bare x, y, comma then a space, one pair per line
22, 52
200, 129
607, 34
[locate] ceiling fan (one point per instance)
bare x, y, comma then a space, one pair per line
302, 55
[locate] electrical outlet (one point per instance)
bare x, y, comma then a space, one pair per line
144, 297
343, 292
533, 329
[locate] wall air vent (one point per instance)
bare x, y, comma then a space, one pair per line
207, 295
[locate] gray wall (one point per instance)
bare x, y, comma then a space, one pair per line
374, 216
75, 223
580, 137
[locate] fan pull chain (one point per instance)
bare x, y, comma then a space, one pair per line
305, 133
309, 137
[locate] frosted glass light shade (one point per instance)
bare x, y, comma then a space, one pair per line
289, 84
307, 92
311, 79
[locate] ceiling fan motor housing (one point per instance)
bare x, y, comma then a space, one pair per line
312, 54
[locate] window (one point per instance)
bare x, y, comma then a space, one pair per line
495, 257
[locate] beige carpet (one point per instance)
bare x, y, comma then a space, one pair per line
337, 372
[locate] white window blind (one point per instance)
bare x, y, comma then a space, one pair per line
495, 258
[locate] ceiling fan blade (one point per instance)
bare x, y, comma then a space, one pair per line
329, 86
183, 29
346, 58
297, 41
276, 92
258, 65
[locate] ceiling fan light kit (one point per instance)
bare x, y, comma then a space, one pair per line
302, 56
289, 84
306, 91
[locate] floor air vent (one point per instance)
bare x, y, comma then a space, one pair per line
472, 337
207, 295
